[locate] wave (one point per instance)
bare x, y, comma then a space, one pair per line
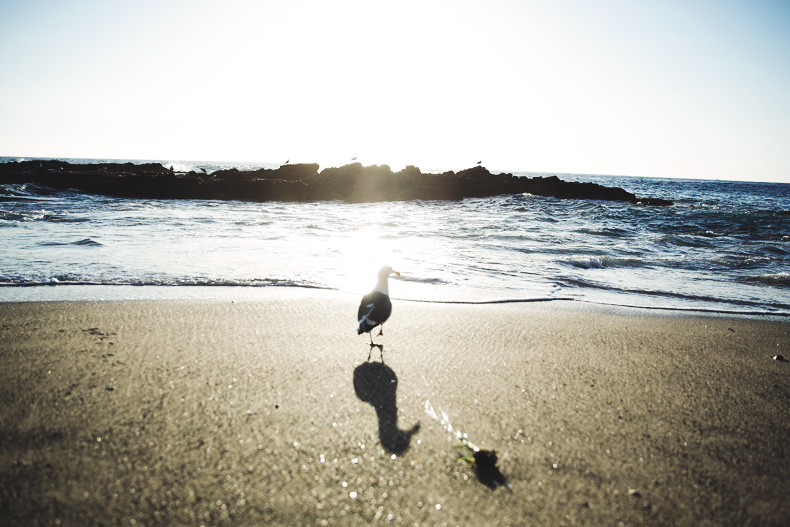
608, 233
38, 216
30, 192
688, 240
184, 282
64, 219
11, 216
429, 281
604, 262
12, 199
773, 251
695, 300
736, 308
774, 280
87, 242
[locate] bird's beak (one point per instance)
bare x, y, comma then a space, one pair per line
396, 272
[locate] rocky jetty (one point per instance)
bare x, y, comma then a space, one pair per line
300, 182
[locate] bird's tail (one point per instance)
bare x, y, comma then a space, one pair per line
364, 326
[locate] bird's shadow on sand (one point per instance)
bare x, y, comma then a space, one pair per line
376, 383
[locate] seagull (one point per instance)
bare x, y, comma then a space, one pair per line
376, 307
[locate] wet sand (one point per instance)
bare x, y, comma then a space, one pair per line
267, 412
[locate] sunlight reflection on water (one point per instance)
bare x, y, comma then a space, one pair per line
726, 251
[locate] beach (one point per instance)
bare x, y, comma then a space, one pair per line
268, 412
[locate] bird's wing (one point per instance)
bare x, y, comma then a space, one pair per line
365, 313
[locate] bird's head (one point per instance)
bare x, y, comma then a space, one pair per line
386, 271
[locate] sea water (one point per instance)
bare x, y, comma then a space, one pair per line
723, 246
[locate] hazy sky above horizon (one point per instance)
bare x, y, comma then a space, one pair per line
671, 88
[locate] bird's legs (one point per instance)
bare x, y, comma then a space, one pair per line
374, 345
381, 332
381, 350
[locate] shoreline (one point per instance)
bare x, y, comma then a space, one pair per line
266, 411
142, 293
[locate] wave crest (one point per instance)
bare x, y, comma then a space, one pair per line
604, 262
774, 280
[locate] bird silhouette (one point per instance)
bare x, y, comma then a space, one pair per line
376, 306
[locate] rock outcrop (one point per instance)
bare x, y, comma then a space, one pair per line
300, 182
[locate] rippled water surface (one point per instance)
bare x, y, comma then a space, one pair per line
722, 246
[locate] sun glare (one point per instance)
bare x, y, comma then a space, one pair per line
538, 85
369, 244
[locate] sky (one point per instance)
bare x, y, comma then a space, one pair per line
670, 88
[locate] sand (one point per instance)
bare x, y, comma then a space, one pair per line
267, 412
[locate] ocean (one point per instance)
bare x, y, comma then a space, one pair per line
722, 247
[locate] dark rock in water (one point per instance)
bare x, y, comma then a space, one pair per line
301, 182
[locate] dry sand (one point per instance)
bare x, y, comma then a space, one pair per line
266, 413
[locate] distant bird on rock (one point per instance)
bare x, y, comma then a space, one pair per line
376, 306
